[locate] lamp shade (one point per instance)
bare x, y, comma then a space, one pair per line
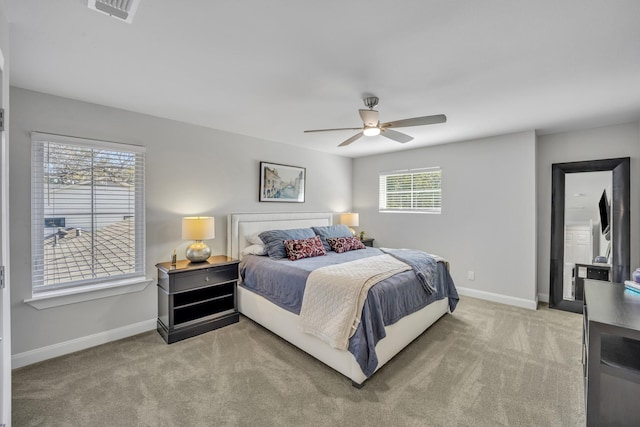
350, 219
198, 228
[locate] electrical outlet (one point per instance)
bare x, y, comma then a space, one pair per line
471, 275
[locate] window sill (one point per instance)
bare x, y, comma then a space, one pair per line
407, 211
61, 297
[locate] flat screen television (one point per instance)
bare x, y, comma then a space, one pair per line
604, 213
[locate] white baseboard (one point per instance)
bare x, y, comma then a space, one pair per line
39, 354
502, 299
543, 298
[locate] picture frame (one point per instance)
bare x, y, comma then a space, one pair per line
282, 183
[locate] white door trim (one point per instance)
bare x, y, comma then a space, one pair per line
5, 330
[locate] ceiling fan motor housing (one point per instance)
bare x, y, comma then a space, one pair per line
371, 102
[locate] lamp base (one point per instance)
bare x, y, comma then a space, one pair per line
198, 252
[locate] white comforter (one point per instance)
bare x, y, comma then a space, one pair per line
334, 296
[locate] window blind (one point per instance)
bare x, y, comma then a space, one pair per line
415, 190
87, 214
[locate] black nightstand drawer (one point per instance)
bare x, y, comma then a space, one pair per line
205, 277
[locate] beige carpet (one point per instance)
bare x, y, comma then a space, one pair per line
485, 365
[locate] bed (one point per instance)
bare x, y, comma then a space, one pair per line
286, 323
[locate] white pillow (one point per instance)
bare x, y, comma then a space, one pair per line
254, 250
255, 239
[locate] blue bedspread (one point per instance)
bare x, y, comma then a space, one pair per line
424, 265
282, 282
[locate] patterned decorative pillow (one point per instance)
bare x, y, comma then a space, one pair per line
306, 248
325, 231
273, 240
344, 244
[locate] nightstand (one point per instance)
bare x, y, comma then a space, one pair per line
368, 241
194, 298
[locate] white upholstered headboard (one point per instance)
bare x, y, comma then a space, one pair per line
242, 225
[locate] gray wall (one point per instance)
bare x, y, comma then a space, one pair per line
487, 224
592, 144
191, 170
495, 219
485, 230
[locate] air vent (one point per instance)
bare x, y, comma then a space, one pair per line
119, 9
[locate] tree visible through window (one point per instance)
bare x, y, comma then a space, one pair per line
87, 211
417, 190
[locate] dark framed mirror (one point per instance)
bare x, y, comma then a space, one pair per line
620, 263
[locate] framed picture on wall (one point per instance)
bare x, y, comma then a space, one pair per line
281, 183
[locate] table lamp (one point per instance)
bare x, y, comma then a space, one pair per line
198, 228
350, 220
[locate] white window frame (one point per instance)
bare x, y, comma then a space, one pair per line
382, 197
72, 291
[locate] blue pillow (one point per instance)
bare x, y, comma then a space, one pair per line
274, 240
334, 231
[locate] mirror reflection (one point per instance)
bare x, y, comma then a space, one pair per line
587, 232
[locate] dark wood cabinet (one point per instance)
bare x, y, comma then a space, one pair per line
368, 241
583, 272
611, 354
194, 298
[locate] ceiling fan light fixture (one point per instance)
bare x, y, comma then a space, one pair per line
371, 131
371, 125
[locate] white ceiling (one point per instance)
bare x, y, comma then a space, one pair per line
582, 195
271, 69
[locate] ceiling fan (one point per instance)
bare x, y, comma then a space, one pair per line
373, 127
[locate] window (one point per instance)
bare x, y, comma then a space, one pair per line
413, 190
87, 212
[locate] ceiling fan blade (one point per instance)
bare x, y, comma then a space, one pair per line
350, 140
396, 136
329, 130
416, 121
369, 117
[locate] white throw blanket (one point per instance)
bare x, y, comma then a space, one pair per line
334, 296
